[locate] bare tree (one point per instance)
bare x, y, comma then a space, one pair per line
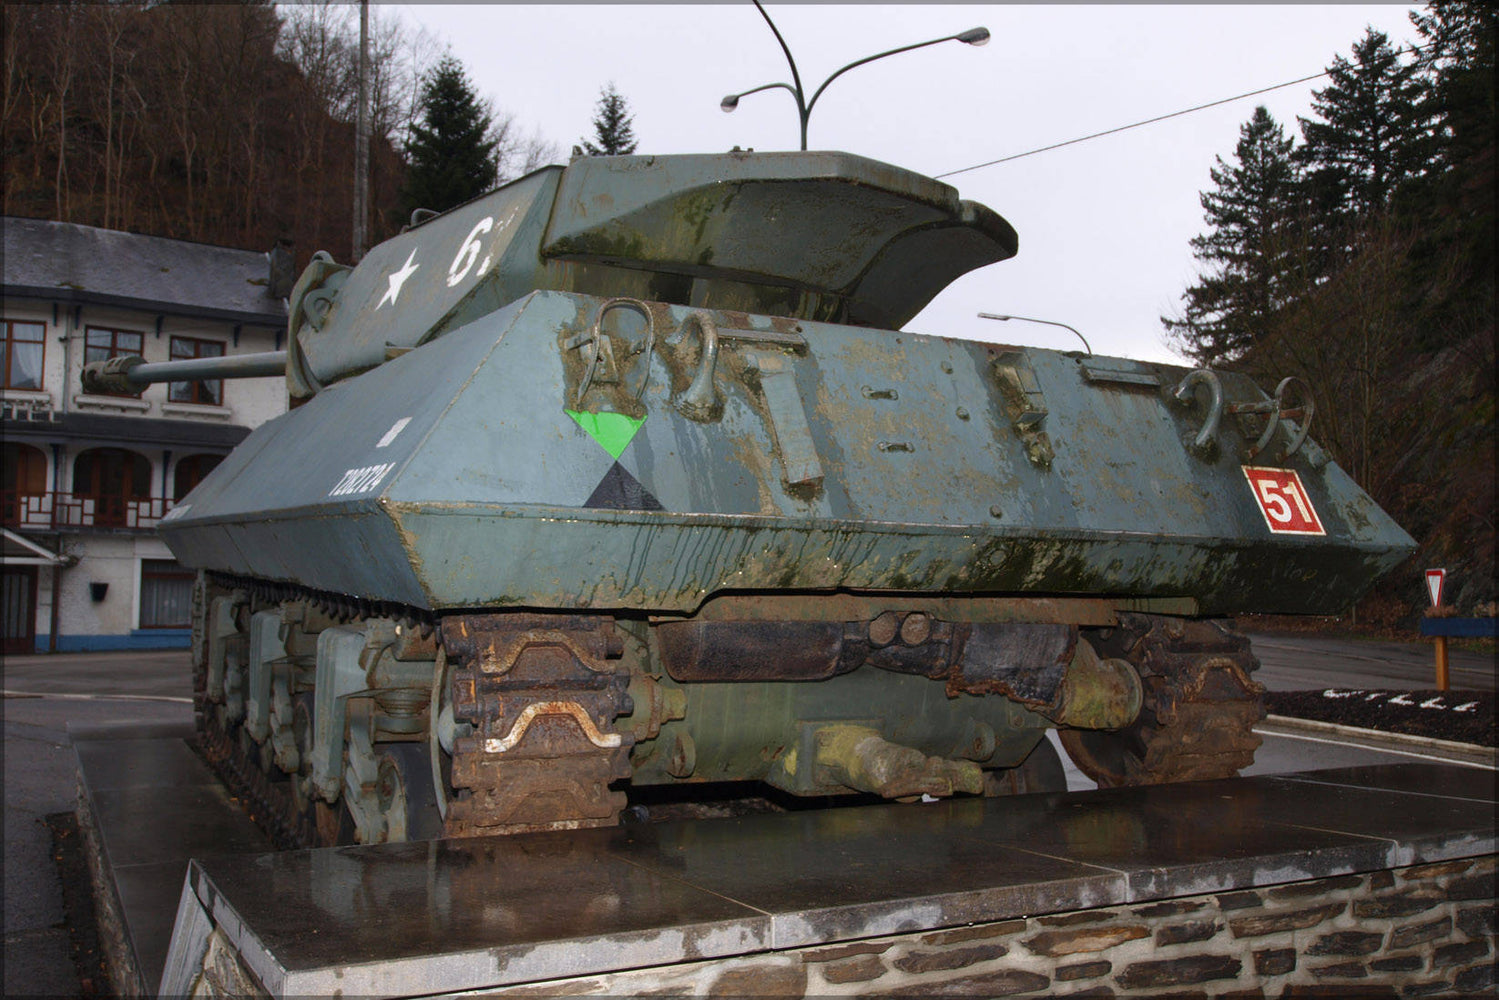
64, 68
518, 152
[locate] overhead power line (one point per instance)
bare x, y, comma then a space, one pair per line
1149, 121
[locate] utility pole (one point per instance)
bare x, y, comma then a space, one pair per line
362, 138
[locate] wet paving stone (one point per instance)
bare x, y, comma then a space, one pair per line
1048, 881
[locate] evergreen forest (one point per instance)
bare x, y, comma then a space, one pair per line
1355, 250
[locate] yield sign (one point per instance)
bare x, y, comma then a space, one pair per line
1434, 580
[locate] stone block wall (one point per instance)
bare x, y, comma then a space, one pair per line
1427, 930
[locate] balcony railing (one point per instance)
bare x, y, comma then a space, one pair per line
55, 511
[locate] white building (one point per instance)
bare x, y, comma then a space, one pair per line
87, 477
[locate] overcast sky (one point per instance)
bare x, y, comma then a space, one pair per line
1103, 224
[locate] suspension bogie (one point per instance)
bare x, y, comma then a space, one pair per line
373, 723
296, 694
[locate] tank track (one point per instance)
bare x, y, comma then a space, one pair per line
257, 794
267, 802
539, 694
1199, 710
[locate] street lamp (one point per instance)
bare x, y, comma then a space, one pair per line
1048, 322
973, 36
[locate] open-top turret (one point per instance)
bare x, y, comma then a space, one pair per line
625, 475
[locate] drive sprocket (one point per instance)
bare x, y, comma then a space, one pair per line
1200, 706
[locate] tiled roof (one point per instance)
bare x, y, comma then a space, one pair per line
70, 262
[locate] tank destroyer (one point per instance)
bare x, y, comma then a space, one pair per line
625, 475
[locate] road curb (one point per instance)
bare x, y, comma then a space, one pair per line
1376, 739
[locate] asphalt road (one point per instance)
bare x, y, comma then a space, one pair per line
46, 694
41, 778
1290, 661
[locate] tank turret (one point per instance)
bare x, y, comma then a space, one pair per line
624, 477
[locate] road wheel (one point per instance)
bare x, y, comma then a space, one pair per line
406, 796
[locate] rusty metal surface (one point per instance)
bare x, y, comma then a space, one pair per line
767, 650
541, 694
1200, 705
1023, 662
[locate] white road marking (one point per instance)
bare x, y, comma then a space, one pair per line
7, 693
1378, 749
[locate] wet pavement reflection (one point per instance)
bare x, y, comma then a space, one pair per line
441, 916
464, 914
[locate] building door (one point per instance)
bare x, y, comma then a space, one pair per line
18, 609
24, 480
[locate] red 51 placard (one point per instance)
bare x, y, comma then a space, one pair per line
1283, 501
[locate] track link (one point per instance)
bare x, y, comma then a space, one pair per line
541, 693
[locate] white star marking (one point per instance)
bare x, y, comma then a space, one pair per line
397, 280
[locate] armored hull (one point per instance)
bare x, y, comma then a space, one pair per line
624, 476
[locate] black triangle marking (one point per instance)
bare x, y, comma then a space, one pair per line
619, 490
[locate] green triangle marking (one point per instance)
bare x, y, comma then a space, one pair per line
613, 431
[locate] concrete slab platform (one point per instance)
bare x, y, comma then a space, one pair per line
439, 917
151, 805
1417, 779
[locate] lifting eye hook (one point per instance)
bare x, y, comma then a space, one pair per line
1206, 442
1275, 408
700, 401
594, 341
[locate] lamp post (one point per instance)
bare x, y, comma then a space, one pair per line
973, 36
1048, 322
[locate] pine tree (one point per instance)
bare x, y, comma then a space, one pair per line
1459, 59
1457, 203
1374, 134
1251, 250
451, 152
611, 126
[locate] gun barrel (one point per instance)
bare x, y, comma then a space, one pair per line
127, 374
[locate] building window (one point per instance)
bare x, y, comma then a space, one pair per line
113, 481
191, 470
166, 594
208, 392
100, 344
21, 359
